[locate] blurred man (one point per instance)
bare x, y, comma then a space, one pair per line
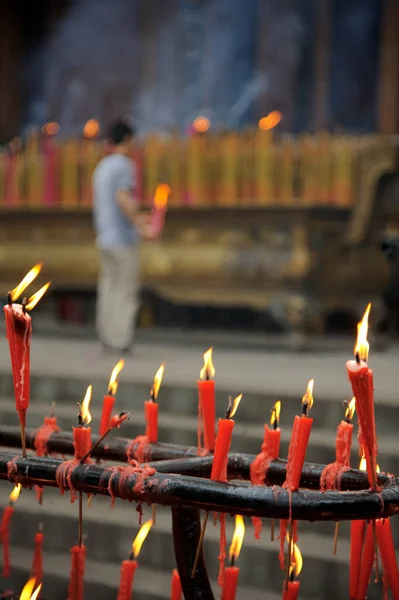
119, 226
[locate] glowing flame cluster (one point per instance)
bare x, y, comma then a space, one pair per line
208, 370
51, 128
113, 380
91, 128
157, 382
15, 494
238, 537
350, 409
85, 408
28, 593
270, 121
162, 194
26, 281
308, 397
140, 537
362, 346
275, 416
363, 464
201, 124
297, 560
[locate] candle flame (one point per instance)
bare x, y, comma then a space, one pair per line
140, 537
157, 382
91, 128
275, 416
85, 412
27, 280
350, 409
270, 121
113, 380
201, 124
26, 593
297, 560
33, 300
162, 194
15, 493
238, 538
208, 370
362, 346
233, 405
308, 397
363, 464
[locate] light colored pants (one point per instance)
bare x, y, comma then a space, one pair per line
118, 295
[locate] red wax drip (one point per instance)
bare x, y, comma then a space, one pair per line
43, 434
388, 556
222, 553
128, 569
108, 405
230, 583
151, 418
37, 564
19, 332
207, 411
260, 466
120, 474
331, 476
361, 378
76, 579
356, 547
63, 476
117, 420
5, 538
366, 564
175, 591
292, 592
139, 449
222, 448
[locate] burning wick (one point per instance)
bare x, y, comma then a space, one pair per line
157, 383
208, 370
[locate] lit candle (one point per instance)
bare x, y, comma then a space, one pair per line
206, 403
270, 451
388, 556
109, 399
19, 332
82, 435
232, 572
160, 207
151, 408
76, 577
223, 442
291, 592
28, 593
5, 529
361, 378
330, 478
128, 567
175, 591
37, 563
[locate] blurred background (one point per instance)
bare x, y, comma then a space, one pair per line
276, 126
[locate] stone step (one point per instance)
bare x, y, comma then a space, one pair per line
324, 576
182, 429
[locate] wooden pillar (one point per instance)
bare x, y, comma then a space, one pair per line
388, 89
10, 85
323, 13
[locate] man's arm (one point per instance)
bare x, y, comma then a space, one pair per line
141, 221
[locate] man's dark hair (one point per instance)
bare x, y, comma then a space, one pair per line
119, 131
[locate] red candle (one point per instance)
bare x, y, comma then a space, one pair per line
232, 572
151, 408
206, 403
160, 207
330, 478
270, 448
109, 399
223, 442
366, 564
128, 567
356, 547
176, 591
19, 332
388, 556
291, 591
5, 529
82, 435
43, 433
299, 441
37, 564
76, 578
361, 378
